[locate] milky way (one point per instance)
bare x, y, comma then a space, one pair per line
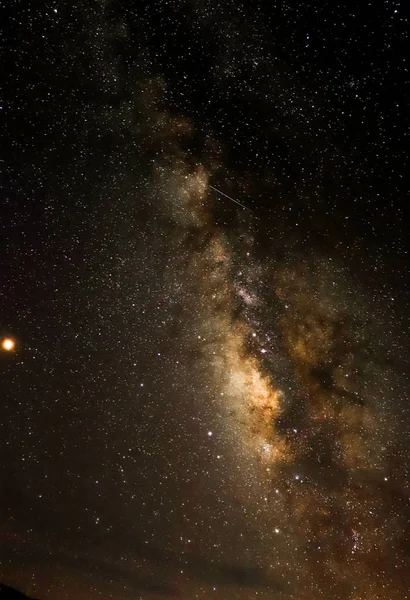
207, 393
297, 359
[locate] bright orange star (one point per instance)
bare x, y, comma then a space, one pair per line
8, 344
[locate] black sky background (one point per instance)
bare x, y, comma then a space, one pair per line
104, 404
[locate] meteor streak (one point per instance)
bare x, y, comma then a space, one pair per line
230, 198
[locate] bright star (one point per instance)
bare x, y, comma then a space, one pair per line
8, 344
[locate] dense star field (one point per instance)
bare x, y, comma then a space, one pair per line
204, 300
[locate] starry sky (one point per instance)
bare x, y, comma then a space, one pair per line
204, 300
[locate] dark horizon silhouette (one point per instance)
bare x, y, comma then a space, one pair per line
9, 593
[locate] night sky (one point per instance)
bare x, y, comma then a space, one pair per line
204, 300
